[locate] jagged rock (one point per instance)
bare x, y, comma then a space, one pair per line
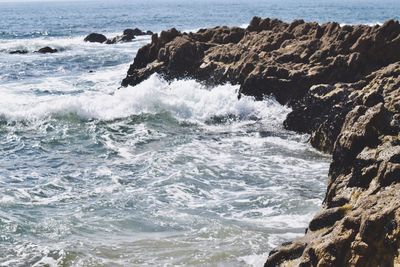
343, 84
364, 177
95, 38
273, 57
47, 50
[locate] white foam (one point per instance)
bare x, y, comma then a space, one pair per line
377, 23
7, 200
25, 252
184, 99
254, 260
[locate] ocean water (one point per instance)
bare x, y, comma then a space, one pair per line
161, 174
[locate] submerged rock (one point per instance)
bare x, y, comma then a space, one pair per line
343, 84
21, 52
95, 38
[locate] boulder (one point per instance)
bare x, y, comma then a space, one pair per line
95, 38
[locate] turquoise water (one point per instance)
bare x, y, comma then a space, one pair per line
162, 174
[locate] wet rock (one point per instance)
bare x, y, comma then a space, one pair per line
95, 38
47, 50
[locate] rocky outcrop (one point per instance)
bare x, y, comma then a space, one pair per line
127, 36
343, 84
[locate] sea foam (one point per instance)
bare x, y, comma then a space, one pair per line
183, 99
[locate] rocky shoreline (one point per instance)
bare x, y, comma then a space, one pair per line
343, 84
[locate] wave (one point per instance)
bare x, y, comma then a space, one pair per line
183, 99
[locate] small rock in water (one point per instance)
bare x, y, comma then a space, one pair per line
133, 32
120, 39
47, 50
136, 32
95, 38
127, 36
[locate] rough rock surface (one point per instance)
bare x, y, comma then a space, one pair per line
359, 123
343, 83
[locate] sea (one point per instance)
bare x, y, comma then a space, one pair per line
161, 174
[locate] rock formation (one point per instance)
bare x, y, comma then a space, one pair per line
343, 84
